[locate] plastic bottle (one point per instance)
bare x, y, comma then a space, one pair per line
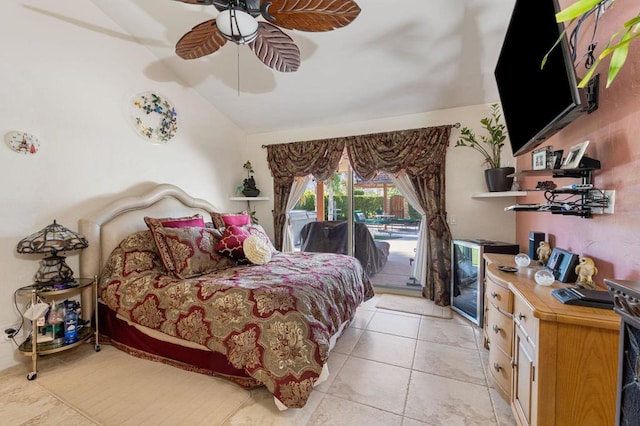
70, 322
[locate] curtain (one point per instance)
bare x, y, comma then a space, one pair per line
405, 186
297, 189
290, 160
420, 153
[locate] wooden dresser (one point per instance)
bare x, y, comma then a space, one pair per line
556, 364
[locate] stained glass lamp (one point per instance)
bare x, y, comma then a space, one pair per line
52, 240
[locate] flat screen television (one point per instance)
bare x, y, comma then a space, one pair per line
536, 101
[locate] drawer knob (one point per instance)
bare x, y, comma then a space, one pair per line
496, 329
520, 316
494, 294
497, 367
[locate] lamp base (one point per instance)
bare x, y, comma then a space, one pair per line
53, 270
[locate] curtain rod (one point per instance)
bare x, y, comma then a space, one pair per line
456, 125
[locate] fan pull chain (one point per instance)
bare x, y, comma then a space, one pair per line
238, 67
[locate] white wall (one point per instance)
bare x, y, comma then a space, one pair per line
67, 75
474, 218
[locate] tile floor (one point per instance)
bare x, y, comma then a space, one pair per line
388, 368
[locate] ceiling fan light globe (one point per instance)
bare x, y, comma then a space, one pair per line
237, 26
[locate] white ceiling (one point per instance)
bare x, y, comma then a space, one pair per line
398, 57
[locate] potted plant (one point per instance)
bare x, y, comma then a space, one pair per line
497, 177
618, 45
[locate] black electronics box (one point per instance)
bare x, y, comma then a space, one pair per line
535, 238
563, 264
584, 297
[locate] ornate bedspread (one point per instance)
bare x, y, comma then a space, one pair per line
274, 321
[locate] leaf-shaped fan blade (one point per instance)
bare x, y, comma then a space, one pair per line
275, 49
310, 15
203, 39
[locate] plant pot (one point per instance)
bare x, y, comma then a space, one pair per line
498, 180
250, 192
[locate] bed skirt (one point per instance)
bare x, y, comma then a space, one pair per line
122, 335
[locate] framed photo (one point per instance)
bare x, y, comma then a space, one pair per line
575, 154
539, 159
556, 159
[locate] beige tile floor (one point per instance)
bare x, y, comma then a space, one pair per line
388, 368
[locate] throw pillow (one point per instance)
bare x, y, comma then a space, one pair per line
222, 220
259, 231
189, 252
136, 253
256, 250
177, 222
230, 244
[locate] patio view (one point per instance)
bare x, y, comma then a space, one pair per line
384, 224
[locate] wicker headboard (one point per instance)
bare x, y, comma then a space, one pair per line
106, 228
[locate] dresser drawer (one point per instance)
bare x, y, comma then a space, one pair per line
500, 370
524, 319
500, 329
499, 296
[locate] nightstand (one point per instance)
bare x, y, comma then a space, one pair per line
87, 289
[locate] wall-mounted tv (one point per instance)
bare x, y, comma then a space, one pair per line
536, 101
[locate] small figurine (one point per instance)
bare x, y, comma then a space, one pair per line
585, 270
543, 251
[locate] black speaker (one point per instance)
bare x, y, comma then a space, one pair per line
534, 242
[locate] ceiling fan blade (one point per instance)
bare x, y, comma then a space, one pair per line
310, 15
275, 49
202, 2
202, 40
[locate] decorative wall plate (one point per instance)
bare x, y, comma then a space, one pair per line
154, 117
22, 142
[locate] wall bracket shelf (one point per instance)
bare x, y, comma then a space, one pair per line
583, 201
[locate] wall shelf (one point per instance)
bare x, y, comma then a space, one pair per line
248, 199
585, 199
498, 194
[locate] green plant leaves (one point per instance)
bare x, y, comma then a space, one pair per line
490, 147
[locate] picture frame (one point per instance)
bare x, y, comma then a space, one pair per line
557, 159
574, 155
539, 159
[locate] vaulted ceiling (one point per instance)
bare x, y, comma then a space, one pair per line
398, 57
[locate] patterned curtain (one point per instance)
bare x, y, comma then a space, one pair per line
421, 154
287, 161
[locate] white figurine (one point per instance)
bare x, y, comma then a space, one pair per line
585, 270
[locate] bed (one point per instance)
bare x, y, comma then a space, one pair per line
257, 323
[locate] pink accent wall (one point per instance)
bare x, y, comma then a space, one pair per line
613, 241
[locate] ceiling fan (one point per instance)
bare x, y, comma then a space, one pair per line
237, 22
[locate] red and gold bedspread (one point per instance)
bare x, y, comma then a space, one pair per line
273, 321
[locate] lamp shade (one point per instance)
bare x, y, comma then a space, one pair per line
51, 240
237, 26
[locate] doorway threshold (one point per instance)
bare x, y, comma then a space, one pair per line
414, 291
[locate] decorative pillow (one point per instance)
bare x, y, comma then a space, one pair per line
259, 231
136, 253
176, 222
231, 243
256, 250
222, 220
189, 252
